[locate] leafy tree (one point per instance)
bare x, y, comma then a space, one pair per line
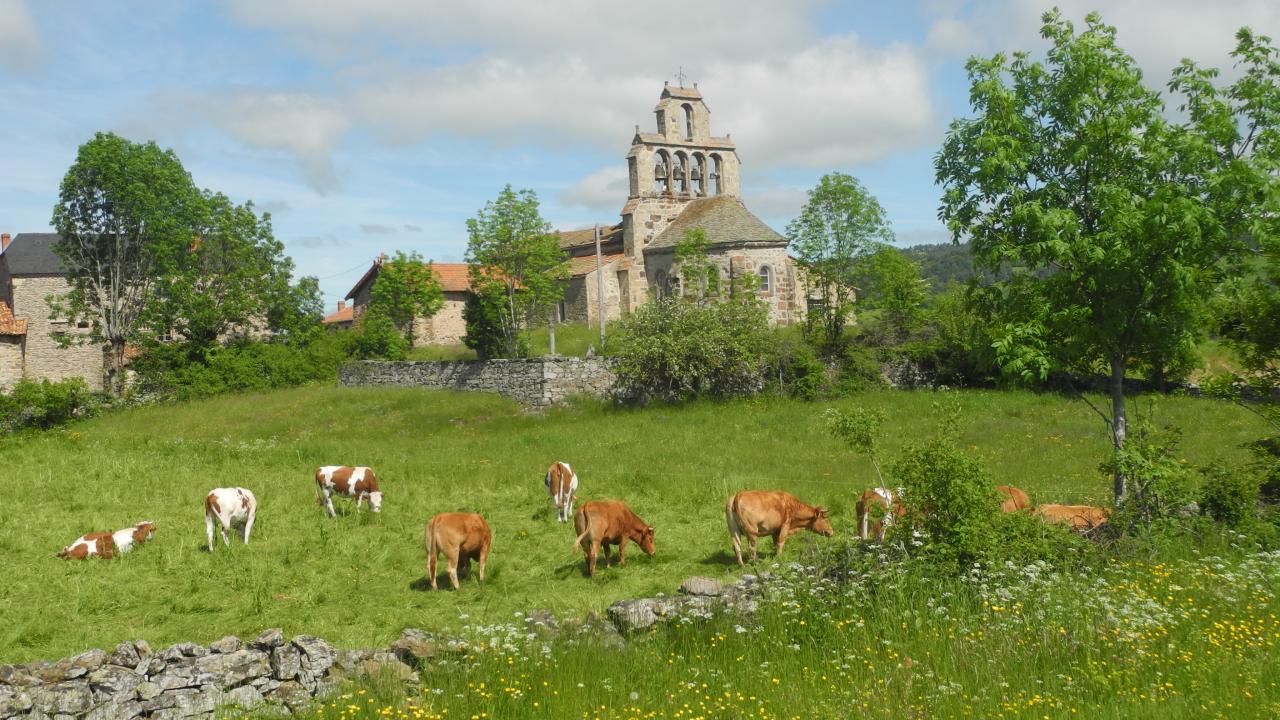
860, 428
840, 224
892, 283
486, 315
700, 278
125, 214
512, 250
406, 288
1119, 216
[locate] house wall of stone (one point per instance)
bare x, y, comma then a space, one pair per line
446, 327
45, 357
582, 301
10, 360
785, 299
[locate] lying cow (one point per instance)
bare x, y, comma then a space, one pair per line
756, 513
562, 483
462, 537
229, 506
1013, 499
1080, 518
356, 482
601, 523
877, 509
107, 545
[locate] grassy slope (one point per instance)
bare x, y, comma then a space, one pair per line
358, 580
571, 339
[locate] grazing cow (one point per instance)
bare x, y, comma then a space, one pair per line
356, 482
1013, 499
1080, 518
601, 523
107, 545
562, 483
229, 506
462, 537
756, 513
873, 522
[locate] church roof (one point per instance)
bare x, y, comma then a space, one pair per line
570, 239
586, 264
32, 254
724, 219
684, 93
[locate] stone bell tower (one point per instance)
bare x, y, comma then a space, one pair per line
669, 168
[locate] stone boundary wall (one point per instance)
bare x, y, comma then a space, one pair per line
535, 382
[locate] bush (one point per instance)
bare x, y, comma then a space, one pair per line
799, 371
179, 370
1231, 497
674, 350
1160, 487
485, 314
44, 404
375, 337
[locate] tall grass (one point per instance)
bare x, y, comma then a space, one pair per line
358, 579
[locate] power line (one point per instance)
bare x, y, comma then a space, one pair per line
344, 272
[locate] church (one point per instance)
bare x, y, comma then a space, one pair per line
680, 178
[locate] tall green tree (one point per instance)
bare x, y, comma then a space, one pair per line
1118, 217
126, 214
406, 289
891, 282
512, 252
839, 225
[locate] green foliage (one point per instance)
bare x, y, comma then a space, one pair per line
406, 288
860, 428
192, 370
486, 314
375, 337
839, 225
1230, 497
891, 283
513, 253
1161, 486
700, 278
671, 350
125, 215
44, 404
956, 347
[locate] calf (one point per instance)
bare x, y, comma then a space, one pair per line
229, 506
1080, 518
755, 513
601, 523
877, 509
562, 483
461, 537
108, 545
356, 482
1013, 499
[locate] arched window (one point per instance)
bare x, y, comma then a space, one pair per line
673, 285
697, 175
716, 169
766, 279
680, 173
661, 172
688, 121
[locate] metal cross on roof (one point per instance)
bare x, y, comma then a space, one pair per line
680, 76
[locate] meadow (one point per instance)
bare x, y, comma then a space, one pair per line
359, 579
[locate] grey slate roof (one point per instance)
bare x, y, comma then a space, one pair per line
724, 219
32, 254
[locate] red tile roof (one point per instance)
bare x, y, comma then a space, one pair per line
9, 325
578, 238
453, 277
587, 263
346, 314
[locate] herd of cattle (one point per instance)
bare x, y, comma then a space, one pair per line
599, 524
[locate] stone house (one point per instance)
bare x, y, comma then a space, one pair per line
446, 327
679, 178
30, 272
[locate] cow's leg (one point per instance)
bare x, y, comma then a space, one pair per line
328, 502
591, 557
453, 569
779, 541
622, 552
484, 558
248, 528
208, 530
225, 524
607, 553
736, 539
433, 554
359, 499
751, 544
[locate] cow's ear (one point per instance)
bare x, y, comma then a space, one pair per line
822, 512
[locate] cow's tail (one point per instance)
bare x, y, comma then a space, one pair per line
586, 524
428, 537
731, 516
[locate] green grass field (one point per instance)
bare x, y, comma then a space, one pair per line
359, 579
572, 340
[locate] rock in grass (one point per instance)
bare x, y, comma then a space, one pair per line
270, 638
704, 586
415, 647
228, 644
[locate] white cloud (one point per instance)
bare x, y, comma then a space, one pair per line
20, 46
603, 191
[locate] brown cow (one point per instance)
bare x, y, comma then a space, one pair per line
107, 545
1081, 518
357, 482
771, 512
609, 522
462, 537
876, 510
1013, 499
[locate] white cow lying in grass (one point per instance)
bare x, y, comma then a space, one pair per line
229, 506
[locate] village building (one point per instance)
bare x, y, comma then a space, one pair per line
680, 178
32, 344
446, 327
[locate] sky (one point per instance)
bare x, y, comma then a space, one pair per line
368, 126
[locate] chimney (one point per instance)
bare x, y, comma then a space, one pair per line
342, 305
4, 242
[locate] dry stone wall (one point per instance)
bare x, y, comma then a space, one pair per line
536, 382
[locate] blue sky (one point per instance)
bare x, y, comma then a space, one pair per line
376, 125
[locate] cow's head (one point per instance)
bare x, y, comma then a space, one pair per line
646, 541
375, 501
143, 531
822, 523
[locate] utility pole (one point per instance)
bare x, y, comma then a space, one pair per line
599, 287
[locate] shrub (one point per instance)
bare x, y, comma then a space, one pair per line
486, 316
799, 371
1160, 487
1231, 497
43, 404
376, 337
673, 350
182, 371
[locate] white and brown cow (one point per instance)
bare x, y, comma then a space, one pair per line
229, 506
356, 482
876, 510
107, 545
462, 537
756, 513
562, 483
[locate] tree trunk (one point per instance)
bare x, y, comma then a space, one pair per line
1119, 425
551, 334
115, 367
